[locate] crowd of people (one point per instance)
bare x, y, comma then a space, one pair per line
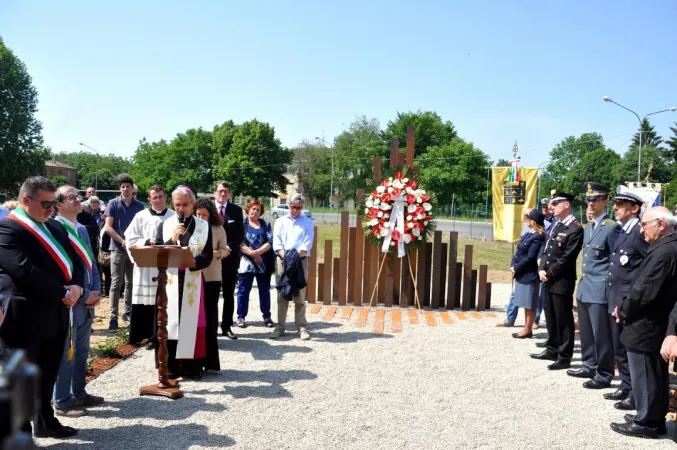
625, 297
54, 248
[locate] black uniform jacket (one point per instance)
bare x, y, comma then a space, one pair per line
626, 257
233, 223
36, 310
646, 310
558, 255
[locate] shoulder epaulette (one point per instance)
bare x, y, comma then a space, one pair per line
575, 224
609, 222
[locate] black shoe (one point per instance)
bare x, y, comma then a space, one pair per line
229, 334
618, 395
626, 405
547, 355
113, 326
594, 384
560, 364
542, 345
150, 345
529, 335
634, 430
580, 373
60, 432
662, 429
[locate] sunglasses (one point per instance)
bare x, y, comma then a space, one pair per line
45, 204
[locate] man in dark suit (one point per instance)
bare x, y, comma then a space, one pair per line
599, 237
48, 279
233, 222
557, 272
645, 314
626, 257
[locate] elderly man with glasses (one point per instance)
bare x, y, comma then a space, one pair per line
645, 316
293, 233
70, 396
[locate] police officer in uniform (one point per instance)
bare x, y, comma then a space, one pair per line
557, 272
627, 255
599, 237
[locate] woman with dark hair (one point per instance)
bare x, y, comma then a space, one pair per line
205, 210
255, 262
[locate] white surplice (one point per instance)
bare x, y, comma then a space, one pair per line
144, 226
184, 328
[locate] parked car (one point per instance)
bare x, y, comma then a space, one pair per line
283, 210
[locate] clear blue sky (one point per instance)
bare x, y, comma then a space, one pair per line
109, 74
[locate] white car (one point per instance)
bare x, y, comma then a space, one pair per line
283, 210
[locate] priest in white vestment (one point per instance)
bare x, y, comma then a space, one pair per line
186, 323
143, 231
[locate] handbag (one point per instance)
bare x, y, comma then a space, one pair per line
269, 256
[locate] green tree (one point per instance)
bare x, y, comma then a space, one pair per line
187, 159
502, 163
671, 150
649, 136
599, 166
565, 155
456, 170
431, 130
94, 170
222, 139
654, 166
256, 162
21, 150
353, 153
60, 180
312, 167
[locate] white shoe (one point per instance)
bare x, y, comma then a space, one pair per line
303, 334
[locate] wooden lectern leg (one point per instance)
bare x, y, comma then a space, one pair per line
165, 387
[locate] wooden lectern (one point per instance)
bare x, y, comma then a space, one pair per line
162, 257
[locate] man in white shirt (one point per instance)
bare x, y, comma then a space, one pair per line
293, 232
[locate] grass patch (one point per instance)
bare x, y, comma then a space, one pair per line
496, 255
108, 348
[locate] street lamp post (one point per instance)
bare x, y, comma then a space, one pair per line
96, 174
641, 122
331, 185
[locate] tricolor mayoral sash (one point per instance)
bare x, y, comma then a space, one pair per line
40, 232
184, 329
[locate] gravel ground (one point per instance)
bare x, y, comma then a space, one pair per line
465, 385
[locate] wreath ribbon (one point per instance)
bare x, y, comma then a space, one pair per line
396, 222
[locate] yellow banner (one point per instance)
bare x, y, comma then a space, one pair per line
511, 199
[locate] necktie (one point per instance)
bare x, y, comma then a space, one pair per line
593, 225
222, 213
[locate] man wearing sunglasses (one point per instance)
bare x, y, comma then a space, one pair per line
557, 271
48, 276
645, 316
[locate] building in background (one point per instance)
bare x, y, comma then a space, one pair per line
54, 168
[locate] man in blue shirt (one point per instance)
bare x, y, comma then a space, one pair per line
119, 214
293, 232
4, 212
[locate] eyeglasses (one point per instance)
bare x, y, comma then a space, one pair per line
73, 198
185, 205
296, 207
45, 204
644, 224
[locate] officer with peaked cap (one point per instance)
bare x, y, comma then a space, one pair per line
599, 237
627, 254
557, 272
